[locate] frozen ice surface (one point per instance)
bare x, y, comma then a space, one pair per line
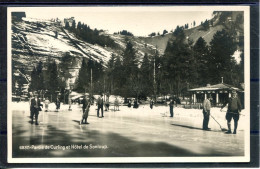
127, 133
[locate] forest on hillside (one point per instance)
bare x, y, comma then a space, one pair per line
182, 66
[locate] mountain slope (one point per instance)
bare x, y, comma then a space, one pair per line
35, 40
221, 20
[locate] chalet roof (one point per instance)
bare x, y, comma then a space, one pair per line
220, 86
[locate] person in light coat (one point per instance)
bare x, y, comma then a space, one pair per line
85, 108
100, 104
116, 105
206, 112
46, 104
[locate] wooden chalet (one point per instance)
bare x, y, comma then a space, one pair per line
219, 92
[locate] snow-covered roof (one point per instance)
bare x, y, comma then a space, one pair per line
220, 86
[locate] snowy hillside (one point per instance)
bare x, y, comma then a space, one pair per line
35, 40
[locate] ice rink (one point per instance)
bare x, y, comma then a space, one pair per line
141, 132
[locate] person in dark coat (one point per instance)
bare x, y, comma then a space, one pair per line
206, 112
100, 104
57, 104
129, 103
107, 105
171, 104
35, 108
135, 104
233, 112
151, 103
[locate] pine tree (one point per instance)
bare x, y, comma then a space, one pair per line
206, 25
157, 73
73, 26
221, 60
129, 59
176, 63
130, 71
146, 77
66, 63
67, 25
118, 76
152, 34
64, 69
83, 80
187, 26
165, 31
201, 55
79, 26
110, 74
52, 80
179, 34
37, 78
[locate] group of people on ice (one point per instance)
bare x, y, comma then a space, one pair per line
36, 106
135, 103
86, 103
233, 111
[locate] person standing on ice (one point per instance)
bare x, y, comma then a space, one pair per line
233, 111
135, 104
86, 106
116, 105
206, 112
84, 103
46, 104
107, 105
151, 103
57, 104
100, 104
35, 108
171, 107
129, 103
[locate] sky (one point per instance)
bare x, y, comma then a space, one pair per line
140, 21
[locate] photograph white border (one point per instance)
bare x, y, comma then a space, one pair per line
245, 158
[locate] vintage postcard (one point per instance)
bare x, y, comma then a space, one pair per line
123, 84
